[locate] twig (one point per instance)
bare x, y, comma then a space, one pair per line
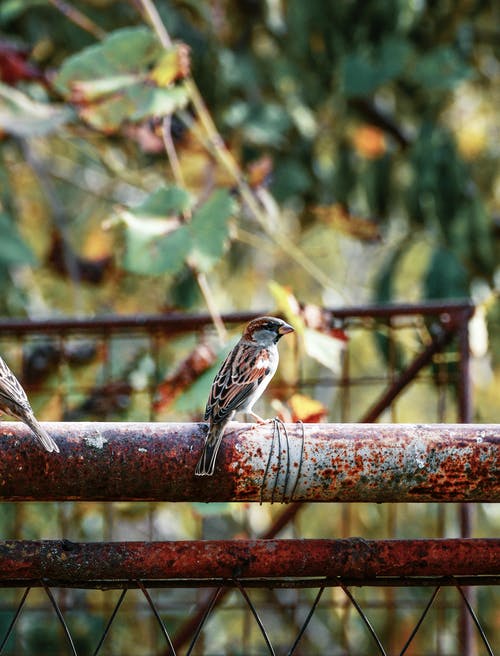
201, 278
156, 22
215, 144
76, 17
171, 152
202, 281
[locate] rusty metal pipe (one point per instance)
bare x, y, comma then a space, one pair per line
328, 462
173, 322
354, 558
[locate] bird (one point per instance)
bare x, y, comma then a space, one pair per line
240, 382
13, 401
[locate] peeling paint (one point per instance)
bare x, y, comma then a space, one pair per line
330, 462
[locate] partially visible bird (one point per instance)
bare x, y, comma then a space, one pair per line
13, 401
242, 378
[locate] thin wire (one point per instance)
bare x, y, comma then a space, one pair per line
365, 620
60, 616
278, 471
110, 621
14, 619
426, 610
157, 615
287, 471
268, 465
256, 615
476, 621
307, 620
207, 612
299, 470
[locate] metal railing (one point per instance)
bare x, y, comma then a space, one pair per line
350, 611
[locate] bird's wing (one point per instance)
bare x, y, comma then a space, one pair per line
240, 375
12, 395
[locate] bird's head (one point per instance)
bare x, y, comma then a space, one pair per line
266, 330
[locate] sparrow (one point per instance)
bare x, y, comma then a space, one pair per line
13, 401
240, 382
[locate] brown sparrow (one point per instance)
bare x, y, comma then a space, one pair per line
242, 378
13, 401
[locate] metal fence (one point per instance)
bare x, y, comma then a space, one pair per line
406, 362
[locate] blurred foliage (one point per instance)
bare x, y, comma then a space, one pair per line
346, 151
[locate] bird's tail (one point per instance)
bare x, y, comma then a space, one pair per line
41, 434
206, 463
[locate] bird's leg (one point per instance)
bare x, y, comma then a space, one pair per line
258, 419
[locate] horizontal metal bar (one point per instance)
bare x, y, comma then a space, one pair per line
269, 583
180, 322
212, 560
314, 462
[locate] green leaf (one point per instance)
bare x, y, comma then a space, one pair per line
165, 201
262, 124
123, 52
442, 69
323, 348
362, 74
154, 245
446, 277
134, 103
23, 117
155, 101
290, 178
112, 80
209, 230
12, 9
13, 249
151, 249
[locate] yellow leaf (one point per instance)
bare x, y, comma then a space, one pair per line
306, 409
173, 64
340, 219
288, 305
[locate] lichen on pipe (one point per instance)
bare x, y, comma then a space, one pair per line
322, 462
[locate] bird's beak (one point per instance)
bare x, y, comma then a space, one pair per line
284, 329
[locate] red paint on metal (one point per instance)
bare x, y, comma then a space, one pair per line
172, 322
354, 558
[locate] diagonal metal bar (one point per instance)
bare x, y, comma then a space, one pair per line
365, 620
110, 622
256, 616
476, 621
440, 341
207, 609
14, 619
157, 615
306, 622
421, 619
60, 616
